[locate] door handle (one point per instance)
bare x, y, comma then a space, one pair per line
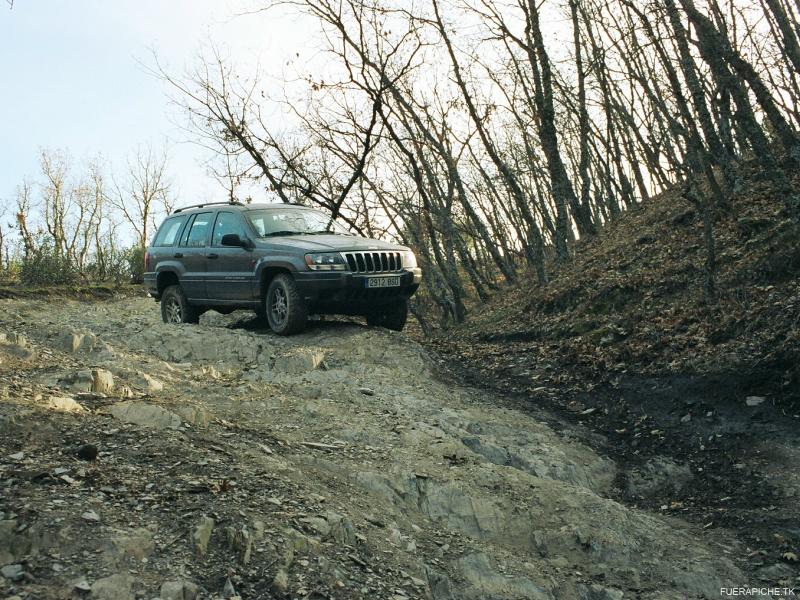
178, 255
212, 255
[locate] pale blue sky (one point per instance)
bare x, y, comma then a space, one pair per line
71, 79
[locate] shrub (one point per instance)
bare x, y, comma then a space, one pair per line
9, 273
135, 258
45, 266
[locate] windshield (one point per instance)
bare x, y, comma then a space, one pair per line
292, 221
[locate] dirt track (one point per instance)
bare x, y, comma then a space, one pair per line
334, 464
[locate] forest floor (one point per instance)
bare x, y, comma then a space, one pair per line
701, 397
144, 460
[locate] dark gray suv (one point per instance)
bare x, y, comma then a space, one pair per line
284, 261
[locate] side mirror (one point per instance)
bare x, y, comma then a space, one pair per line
233, 239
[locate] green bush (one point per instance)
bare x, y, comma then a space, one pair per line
112, 266
45, 266
9, 273
135, 258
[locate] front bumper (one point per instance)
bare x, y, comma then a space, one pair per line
346, 293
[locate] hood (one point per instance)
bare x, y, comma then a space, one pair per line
329, 242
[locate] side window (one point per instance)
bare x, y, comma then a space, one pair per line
198, 232
185, 233
168, 233
227, 223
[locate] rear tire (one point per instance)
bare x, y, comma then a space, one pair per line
393, 316
286, 310
175, 308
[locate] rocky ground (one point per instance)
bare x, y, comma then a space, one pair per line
143, 460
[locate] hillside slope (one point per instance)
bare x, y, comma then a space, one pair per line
632, 300
701, 400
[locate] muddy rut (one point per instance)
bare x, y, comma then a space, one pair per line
335, 464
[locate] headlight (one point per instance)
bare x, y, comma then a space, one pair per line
409, 260
325, 261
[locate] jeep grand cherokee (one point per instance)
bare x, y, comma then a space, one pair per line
284, 261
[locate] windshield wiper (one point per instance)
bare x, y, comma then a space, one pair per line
322, 231
284, 232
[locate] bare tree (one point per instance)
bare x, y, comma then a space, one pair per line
23, 211
143, 194
4, 240
490, 150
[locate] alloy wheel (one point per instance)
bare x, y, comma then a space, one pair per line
174, 311
278, 306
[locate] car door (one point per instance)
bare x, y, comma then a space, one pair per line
192, 254
230, 268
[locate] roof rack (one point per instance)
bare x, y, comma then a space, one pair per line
229, 203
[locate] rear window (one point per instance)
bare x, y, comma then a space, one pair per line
168, 232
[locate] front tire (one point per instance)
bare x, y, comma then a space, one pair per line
286, 310
175, 308
393, 316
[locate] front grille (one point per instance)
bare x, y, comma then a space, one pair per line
374, 262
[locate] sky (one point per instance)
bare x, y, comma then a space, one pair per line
74, 76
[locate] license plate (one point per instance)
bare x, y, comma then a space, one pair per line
382, 282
